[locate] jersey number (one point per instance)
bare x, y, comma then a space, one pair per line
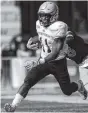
46, 44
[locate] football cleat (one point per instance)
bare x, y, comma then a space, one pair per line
9, 108
82, 90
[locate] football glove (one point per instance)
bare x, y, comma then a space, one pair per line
41, 61
30, 64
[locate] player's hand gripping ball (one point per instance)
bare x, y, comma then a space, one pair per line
32, 44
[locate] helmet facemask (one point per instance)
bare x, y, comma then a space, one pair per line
44, 19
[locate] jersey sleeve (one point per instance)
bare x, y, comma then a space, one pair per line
62, 30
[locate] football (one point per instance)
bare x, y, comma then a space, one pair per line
34, 40
33, 43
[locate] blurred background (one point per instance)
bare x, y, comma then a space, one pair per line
18, 21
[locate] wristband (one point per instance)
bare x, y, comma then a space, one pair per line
42, 60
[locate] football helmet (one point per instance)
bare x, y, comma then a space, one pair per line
48, 13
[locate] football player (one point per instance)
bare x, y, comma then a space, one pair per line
78, 52
51, 34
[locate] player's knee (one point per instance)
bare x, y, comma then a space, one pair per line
66, 91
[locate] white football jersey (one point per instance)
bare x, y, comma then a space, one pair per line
47, 35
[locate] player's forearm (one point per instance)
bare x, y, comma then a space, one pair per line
51, 56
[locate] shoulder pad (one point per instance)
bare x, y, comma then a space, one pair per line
58, 25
